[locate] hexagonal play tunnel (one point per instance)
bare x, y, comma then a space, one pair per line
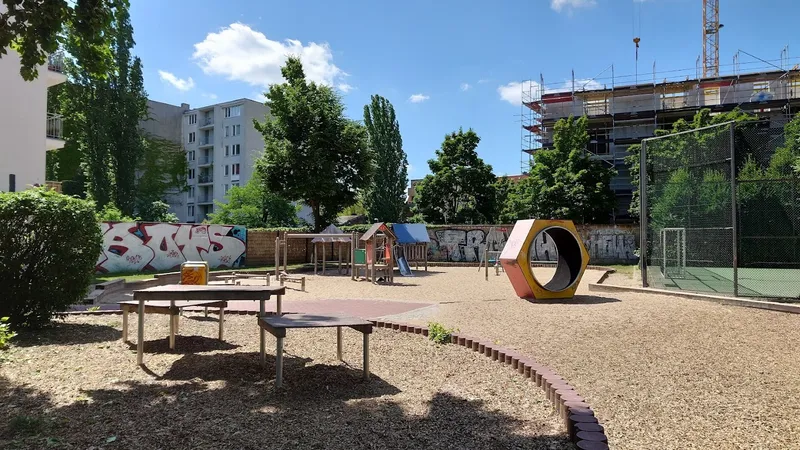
571, 261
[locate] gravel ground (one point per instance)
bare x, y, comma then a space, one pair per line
77, 386
661, 371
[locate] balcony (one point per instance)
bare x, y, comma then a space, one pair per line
205, 179
205, 160
55, 69
207, 122
206, 141
54, 132
205, 200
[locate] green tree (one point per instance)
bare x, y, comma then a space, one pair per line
35, 29
503, 188
161, 171
384, 198
253, 206
312, 152
519, 202
460, 187
102, 111
565, 183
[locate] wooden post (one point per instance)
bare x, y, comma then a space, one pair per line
277, 254
279, 363
261, 337
323, 258
172, 325
221, 323
125, 324
315, 258
339, 251
486, 261
285, 253
353, 255
339, 343
366, 356
425, 250
140, 337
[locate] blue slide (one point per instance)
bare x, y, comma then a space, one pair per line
402, 264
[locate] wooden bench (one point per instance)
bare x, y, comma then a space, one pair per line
266, 276
293, 279
164, 307
277, 326
227, 278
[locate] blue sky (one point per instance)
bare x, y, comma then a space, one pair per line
443, 64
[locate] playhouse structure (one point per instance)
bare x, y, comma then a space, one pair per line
412, 243
572, 259
377, 255
336, 245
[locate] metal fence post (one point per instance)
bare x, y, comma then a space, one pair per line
643, 212
734, 219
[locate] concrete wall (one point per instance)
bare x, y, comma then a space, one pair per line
135, 247
23, 120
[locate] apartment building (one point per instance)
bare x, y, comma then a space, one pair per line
221, 146
622, 113
28, 130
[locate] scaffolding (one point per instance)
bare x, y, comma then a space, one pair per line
532, 129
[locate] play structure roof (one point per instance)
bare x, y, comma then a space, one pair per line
380, 226
411, 233
332, 229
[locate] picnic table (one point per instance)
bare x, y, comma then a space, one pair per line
203, 293
277, 326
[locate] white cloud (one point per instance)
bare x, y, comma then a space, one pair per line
344, 87
569, 5
177, 83
410, 169
483, 80
418, 98
241, 53
210, 96
512, 92
465, 86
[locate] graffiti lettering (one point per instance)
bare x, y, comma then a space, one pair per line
134, 247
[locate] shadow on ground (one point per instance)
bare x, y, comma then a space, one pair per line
223, 402
577, 300
66, 333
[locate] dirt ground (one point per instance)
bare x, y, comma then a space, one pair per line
77, 386
661, 371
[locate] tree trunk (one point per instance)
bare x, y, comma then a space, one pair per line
317, 217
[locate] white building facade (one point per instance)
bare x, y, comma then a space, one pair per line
221, 146
28, 130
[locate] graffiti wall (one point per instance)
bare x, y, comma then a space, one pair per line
607, 244
140, 246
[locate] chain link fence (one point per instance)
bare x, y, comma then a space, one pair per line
723, 211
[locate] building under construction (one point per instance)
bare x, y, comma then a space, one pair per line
623, 114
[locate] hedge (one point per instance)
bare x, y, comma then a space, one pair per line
49, 244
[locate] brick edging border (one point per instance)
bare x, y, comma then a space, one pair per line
584, 430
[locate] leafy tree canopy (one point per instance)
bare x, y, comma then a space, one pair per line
460, 188
312, 152
253, 206
384, 198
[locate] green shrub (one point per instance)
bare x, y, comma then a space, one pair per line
5, 333
438, 333
110, 213
49, 245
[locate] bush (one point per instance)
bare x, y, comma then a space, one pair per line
49, 244
5, 333
110, 213
438, 333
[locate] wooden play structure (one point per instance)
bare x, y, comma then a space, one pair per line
491, 256
335, 244
412, 243
377, 255
282, 248
572, 259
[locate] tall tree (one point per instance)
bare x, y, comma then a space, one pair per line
565, 183
312, 152
459, 189
384, 199
254, 206
102, 112
34, 29
161, 171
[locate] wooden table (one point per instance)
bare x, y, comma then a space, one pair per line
173, 310
277, 326
184, 292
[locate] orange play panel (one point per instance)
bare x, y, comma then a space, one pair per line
572, 259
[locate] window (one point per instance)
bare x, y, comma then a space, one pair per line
235, 169
235, 149
235, 184
227, 130
191, 174
227, 150
233, 111
236, 130
12, 182
190, 155
225, 189
191, 191
191, 137
227, 170
190, 210
192, 119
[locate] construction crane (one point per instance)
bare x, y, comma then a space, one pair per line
711, 27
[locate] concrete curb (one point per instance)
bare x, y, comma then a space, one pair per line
730, 301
